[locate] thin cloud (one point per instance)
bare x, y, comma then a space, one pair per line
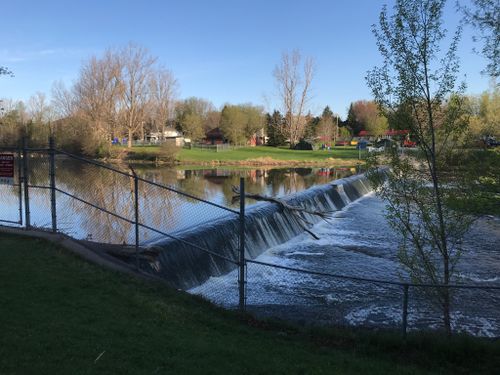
15, 56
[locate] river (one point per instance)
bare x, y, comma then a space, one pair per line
356, 242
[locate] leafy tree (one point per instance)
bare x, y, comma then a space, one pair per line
5, 71
240, 122
485, 17
192, 126
401, 118
419, 186
485, 115
364, 115
191, 116
232, 124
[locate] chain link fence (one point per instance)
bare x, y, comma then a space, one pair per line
114, 210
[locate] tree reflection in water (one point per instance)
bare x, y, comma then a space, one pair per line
158, 208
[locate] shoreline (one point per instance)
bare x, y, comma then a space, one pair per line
259, 162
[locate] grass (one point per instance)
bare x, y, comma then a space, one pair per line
61, 315
258, 155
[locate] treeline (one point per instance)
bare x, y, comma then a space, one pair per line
119, 94
127, 94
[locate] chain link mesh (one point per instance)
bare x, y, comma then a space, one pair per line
97, 204
11, 196
305, 297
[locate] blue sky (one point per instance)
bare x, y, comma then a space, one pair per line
224, 51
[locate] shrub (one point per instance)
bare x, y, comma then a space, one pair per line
168, 152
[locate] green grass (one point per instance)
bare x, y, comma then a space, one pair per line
61, 315
246, 153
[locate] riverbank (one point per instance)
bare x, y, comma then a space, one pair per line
247, 156
64, 315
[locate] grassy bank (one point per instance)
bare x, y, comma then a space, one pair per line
261, 155
61, 315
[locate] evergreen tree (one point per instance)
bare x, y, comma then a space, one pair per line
274, 124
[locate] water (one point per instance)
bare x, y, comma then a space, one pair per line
357, 242
360, 243
161, 209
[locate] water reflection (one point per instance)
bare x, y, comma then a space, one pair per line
159, 208
215, 184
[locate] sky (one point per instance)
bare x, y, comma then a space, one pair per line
223, 51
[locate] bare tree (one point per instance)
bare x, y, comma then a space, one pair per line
96, 93
293, 81
163, 88
39, 109
63, 100
136, 71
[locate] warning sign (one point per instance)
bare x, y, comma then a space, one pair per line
6, 169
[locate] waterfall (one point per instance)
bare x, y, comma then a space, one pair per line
185, 266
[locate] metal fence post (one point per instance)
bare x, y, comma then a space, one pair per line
241, 263
136, 209
405, 309
52, 174
26, 183
20, 180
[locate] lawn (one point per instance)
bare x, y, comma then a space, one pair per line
347, 155
269, 152
62, 315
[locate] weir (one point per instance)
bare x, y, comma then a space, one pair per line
266, 225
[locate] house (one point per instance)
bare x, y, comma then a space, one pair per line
214, 137
168, 135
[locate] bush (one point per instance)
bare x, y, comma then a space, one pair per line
168, 152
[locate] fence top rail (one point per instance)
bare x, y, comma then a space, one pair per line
130, 175
9, 149
375, 281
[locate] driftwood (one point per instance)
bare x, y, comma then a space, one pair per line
297, 211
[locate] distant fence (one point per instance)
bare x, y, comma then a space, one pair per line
215, 148
43, 196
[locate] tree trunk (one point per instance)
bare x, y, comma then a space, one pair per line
446, 298
129, 141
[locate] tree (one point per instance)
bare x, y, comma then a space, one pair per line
485, 115
212, 120
293, 82
311, 126
96, 94
192, 126
192, 116
136, 70
5, 71
274, 125
485, 17
163, 91
364, 115
326, 126
241, 122
232, 124
13, 118
63, 100
412, 74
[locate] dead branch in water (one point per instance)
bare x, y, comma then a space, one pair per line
295, 211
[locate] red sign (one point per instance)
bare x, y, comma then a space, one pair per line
7, 169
